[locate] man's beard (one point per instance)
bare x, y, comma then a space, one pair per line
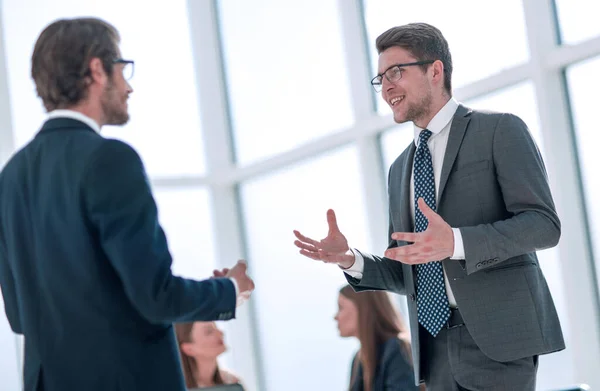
419, 110
114, 114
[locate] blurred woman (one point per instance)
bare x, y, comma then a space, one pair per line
383, 361
200, 343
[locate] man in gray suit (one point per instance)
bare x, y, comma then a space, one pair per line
469, 206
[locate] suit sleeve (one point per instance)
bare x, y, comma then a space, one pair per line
9, 294
381, 273
533, 223
120, 207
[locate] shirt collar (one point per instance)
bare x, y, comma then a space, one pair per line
75, 115
440, 120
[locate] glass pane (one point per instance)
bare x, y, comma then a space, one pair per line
578, 20
520, 100
584, 83
185, 216
394, 141
164, 128
480, 45
282, 59
298, 198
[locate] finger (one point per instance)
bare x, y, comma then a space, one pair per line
305, 246
225, 271
306, 239
406, 236
332, 222
402, 253
310, 254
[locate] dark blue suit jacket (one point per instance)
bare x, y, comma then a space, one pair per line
85, 269
393, 373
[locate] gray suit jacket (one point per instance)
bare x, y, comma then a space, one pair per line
494, 188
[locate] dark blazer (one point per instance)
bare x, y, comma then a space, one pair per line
85, 269
394, 371
494, 188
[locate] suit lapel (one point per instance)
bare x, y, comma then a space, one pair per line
405, 222
457, 132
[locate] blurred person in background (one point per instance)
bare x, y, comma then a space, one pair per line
85, 267
200, 345
383, 362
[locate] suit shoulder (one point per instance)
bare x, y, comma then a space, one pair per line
493, 116
113, 150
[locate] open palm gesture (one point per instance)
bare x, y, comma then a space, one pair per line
332, 249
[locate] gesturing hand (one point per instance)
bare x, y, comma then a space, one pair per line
333, 249
244, 282
433, 244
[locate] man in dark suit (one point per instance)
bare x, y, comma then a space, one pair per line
85, 268
473, 190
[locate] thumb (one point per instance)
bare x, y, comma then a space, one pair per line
332, 222
242, 264
426, 210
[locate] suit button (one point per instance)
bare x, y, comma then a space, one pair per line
479, 265
412, 297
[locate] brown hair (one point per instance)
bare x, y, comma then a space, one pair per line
61, 58
424, 42
378, 321
183, 331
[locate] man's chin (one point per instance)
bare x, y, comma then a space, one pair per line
118, 121
400, 118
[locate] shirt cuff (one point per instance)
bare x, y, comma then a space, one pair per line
356, 270
235, 285
459, 247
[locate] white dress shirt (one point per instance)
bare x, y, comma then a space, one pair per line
94, 125
440, 127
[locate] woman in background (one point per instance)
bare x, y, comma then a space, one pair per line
383, 361
200, 343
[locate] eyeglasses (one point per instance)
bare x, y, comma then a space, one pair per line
394, 73
127, 67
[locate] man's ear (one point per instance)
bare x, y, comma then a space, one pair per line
438, 71
187, 348
97, 72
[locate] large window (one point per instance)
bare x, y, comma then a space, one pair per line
165, 125
296, 297
578, 20
285, 72
584, 84
470, 27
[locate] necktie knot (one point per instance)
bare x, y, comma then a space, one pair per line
424, 136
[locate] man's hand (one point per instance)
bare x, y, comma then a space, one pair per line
244, 282
333, 249
220, 273
433, 244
